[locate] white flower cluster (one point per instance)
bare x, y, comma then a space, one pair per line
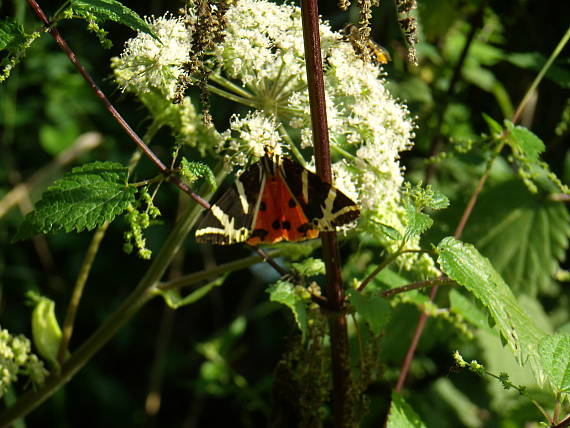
250, 135
261, 61
263, 49
16, 359
147, 65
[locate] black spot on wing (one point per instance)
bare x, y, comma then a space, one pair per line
286, 225
259, 233
276, 224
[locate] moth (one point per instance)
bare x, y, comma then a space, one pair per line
275, 199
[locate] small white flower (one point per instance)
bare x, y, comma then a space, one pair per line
147, 65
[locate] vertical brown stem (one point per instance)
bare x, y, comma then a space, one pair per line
335, 291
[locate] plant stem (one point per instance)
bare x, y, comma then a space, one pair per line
437, 282
561, 44
80, 282
331, 256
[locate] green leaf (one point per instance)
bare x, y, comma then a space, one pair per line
310, 267
524, 141
112, 10
12, 35
401, 415
555, 358
372, 308
417, 222
174, 300
85, 198
287, 294
524, 236
464, 264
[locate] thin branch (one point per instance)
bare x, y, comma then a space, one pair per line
437, 282
541, 74
110, 108
207, 274
331, 256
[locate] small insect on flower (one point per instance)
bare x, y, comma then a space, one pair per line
275, 199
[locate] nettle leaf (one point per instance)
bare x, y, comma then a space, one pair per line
287, 294
85, 198
112, 10
416, 199
12, 35
524, 236
372, 308
524, 141
555, 358
417, 222
402, 415
464, 264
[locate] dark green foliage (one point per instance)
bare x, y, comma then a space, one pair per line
85, 198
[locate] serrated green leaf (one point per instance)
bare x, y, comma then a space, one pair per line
417, 222
494, 126
85, 198
464, 264
112, 10
524, 236
402, 415
174, 300
12, 35
524, 141
310, 267
555, 358
284, 292
372, 308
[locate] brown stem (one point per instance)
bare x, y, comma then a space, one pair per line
335, 291
564, 424
437, 282
413, 346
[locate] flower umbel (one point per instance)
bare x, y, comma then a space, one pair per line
259, 62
